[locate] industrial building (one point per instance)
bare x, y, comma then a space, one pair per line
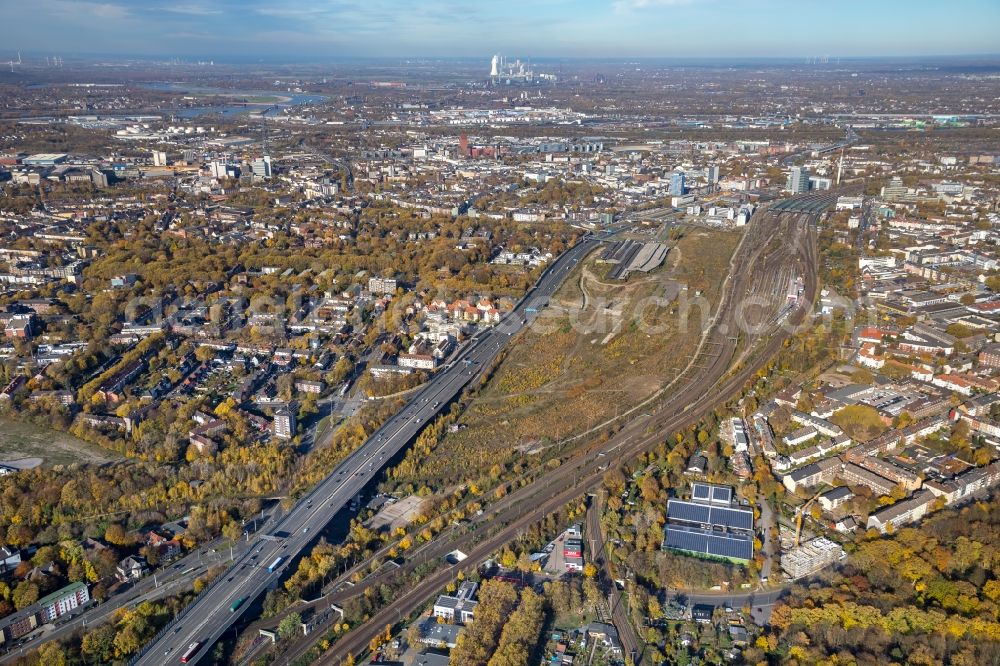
44, 159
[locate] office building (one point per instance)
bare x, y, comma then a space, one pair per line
677, 185
895, 190
159, 158
712, 174
798, 180
261, 167
458, 608
222, 170
820, 183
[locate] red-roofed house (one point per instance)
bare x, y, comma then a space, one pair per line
871, 334
953, 383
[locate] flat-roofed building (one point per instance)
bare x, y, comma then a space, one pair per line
460, 607
709, 525
810, 557
709, 493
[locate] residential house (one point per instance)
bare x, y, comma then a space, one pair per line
132, 568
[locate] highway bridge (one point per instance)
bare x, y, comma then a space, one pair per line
262, 566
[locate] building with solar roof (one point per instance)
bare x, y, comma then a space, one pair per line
709, 525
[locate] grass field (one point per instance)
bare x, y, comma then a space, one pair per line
602, 347
19, 441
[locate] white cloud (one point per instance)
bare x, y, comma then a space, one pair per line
291, 12
193, 10
79, 11
628, 5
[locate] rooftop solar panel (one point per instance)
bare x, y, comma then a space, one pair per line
704, 514
688, 512
734, 518
696, 542
722, 494
700, 541
707, 492
728, 547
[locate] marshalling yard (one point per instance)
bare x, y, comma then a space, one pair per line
749, 326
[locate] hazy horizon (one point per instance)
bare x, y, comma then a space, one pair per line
276, 30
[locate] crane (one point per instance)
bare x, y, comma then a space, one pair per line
799, 515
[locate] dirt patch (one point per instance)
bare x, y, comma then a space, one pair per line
23, 442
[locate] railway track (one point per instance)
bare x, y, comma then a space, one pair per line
712, 380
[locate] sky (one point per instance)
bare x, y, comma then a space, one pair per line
270, 30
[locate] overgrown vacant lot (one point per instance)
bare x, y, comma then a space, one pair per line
19, 441
601, 348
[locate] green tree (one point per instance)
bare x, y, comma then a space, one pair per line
290, 625
25, 594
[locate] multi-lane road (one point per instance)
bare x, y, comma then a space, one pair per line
262, 566
730, 354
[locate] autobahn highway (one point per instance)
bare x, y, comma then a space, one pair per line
177, 577
773, 244
262, 566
